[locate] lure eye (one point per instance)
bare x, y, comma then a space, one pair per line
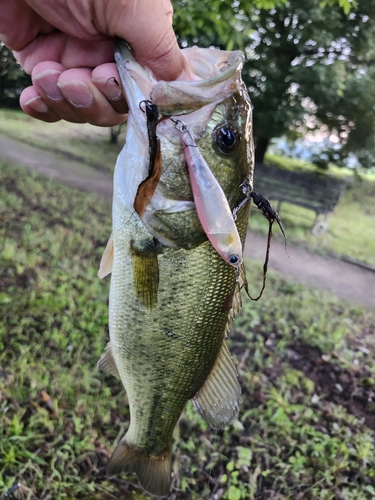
233, 259
227, 138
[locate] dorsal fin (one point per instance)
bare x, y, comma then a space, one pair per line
106, 262
107, 362
217, 401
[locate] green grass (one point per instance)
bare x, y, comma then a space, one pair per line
351, 228
80, 141
306, 365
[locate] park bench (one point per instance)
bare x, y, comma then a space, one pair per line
319, 193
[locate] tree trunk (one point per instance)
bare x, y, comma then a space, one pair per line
260, 149
114, 132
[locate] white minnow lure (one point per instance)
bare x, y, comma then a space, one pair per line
211, 203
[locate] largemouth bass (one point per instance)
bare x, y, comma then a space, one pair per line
174, 288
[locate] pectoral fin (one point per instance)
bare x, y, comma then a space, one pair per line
106, 262
146, 276
217, 401
107, 363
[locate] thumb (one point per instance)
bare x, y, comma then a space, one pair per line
147, 27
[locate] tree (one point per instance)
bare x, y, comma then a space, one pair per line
306, 62
313, 58
12, 79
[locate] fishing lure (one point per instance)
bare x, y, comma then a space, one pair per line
211, 203
271, 215
147, 188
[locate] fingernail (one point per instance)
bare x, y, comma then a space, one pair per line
77, 93
37, 104
47, 80
16, 54
109, 87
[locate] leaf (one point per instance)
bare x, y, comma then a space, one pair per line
244, 455
230, 466
234, 493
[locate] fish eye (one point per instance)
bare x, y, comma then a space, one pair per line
227, 138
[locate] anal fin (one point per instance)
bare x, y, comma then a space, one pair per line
107, 362
217, 401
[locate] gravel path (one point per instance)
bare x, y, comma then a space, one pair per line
342, 279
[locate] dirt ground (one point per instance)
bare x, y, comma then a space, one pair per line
345, 280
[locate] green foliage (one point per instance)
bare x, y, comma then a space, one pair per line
309, 64
12, 78
286, 163
346, 5
356, 103
297, 436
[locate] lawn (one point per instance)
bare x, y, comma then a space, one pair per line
305, 360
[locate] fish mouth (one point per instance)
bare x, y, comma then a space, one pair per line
211, 76
214, 72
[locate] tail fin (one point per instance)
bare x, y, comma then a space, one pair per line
153, 471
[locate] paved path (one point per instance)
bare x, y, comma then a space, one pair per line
347, 281
344, 280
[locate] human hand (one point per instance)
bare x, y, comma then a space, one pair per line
67, 47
